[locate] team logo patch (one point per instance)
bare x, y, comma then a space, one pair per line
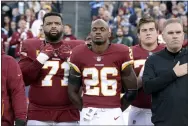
115, 118
55, 54
98, 58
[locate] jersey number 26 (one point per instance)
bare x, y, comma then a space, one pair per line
100, 77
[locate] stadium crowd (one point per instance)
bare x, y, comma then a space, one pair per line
20, 22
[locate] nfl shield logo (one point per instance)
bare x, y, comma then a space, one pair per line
150, 53
55, 54
99, 58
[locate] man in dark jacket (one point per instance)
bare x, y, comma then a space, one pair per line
166, 78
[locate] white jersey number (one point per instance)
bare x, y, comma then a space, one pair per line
100, 76
138, 63
55, 66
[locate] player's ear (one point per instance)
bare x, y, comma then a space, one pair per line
138, 34
109, 34
157, 31
163, 36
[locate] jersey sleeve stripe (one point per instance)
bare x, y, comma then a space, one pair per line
121, 95
75, 67
125, 64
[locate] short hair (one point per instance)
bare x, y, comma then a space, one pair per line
144, 20
102, 7
68, 26
21, 20
120, 28
52, 14
172, 20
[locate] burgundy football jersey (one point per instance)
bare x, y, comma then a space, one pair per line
48, 93
140, 55
185, 43
101, 74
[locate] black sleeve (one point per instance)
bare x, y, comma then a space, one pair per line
152, 83
74, 77
74, 84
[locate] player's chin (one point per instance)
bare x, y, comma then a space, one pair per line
53, 38
98, 42
149, 42
176, 46
55, 35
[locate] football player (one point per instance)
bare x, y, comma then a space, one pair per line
14, 106
45, 68
102, 70
140, 112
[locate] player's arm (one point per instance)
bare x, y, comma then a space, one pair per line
31, 67
129, 80
152, 83
74, 84
129, 83
17, 92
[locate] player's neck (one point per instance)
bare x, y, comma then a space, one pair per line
22, 30
149, 47
173, 50
99, 49
51, 42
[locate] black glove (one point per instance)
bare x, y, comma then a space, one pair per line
64, 51
20, 122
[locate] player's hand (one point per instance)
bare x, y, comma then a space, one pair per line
181, 70
48, 50
20, 122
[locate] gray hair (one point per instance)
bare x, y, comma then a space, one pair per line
172, 20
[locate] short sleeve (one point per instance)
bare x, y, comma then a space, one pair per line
127, 58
